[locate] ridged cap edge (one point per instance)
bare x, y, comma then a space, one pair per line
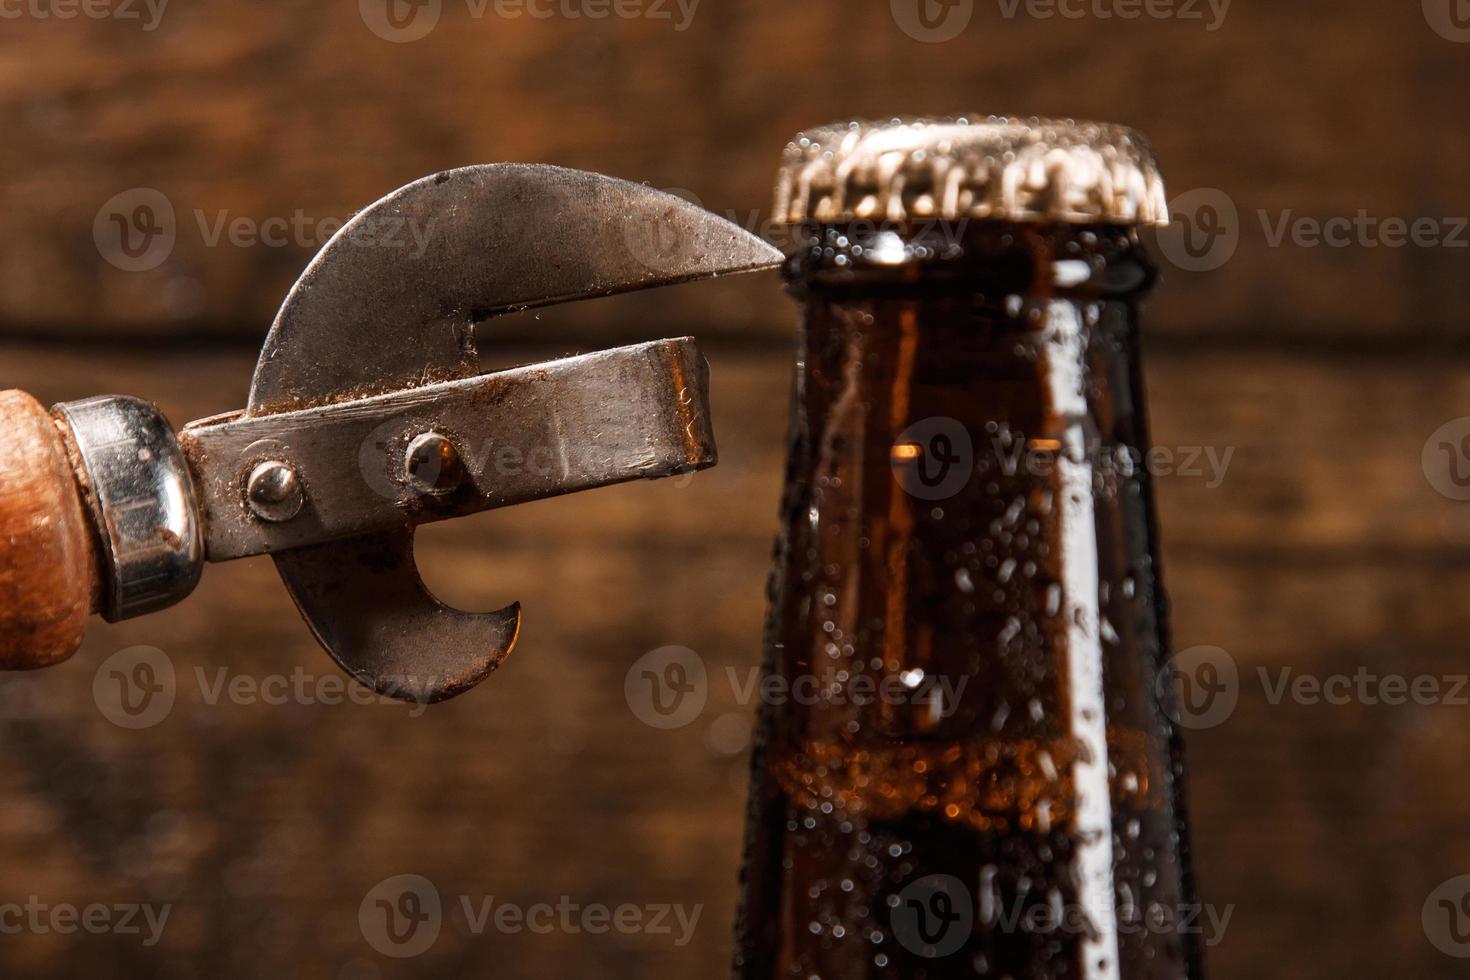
1009, 169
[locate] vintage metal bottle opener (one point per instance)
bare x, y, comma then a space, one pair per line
368, 415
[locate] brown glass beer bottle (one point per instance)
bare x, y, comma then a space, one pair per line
966, 765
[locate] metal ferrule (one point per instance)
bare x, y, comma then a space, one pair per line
137, 486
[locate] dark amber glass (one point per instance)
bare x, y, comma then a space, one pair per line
967, 767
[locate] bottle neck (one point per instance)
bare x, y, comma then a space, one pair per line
966, 586
995, 259
942, 377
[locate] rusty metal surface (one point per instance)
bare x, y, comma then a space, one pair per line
391, 301
399, 641
372, 315
556, 427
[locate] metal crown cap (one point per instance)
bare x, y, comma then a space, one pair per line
997, 167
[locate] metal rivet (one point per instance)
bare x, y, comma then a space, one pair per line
274, 491
432, 464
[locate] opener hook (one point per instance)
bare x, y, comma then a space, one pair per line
368, 318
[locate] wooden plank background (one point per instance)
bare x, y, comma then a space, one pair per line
1319, 108
1324, 549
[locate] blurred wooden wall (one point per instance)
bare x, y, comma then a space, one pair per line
255, 111
1324, 549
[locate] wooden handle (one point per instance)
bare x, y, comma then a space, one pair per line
48, 559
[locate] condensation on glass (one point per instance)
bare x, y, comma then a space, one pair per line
966, 764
